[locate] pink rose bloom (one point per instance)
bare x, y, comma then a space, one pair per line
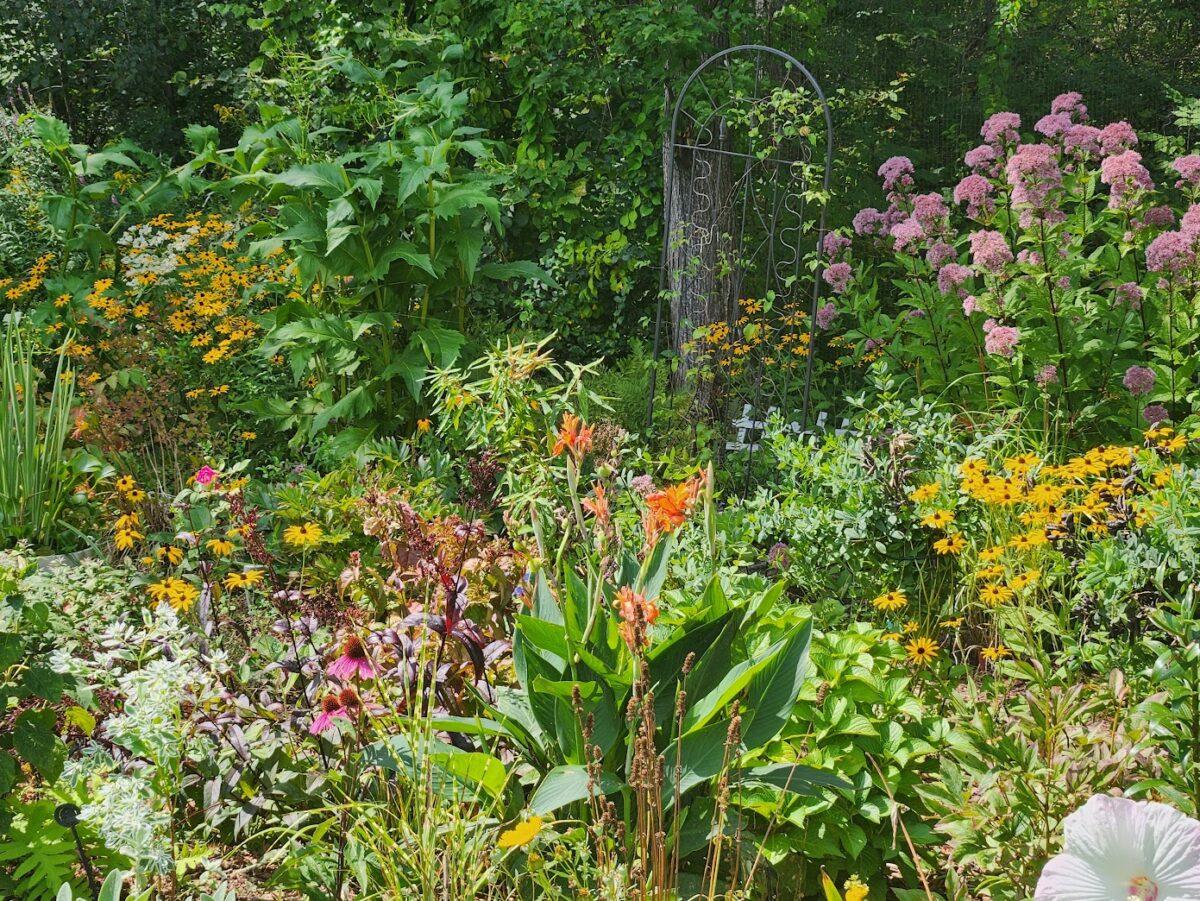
205, 475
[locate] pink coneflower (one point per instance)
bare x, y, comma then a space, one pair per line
353, 661
205, 475
343, 705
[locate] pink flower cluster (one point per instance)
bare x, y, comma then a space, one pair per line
1188, 168
1139, 380
990, 251
896, 172
976, 192
1126, 177
826, 315
1001, 128
1033, 174
1001, 339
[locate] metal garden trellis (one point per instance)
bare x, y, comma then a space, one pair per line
738, 167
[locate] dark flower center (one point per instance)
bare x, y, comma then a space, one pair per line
354, 648
331, 704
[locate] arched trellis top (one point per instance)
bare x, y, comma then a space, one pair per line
735, 215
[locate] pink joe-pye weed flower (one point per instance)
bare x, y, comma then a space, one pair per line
983, 160
1171, 251
990, 251
1126, 176
939, 255
833, 244
1139, 380
1116, 848
1001, 340
354, 661
837, 276
1117, 137
826, 315
1130, 293
204, 475
868, 222
1188, 168
975, 191
907, 233
1155, 414
1070, 103
952, 276
896, 172
1047, 375
1001, 128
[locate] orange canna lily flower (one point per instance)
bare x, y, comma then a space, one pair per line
669, 508
597, 505
628, 603
573, 437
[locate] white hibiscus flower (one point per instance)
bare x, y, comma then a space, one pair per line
1115, 849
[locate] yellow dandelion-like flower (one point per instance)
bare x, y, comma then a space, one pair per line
304, 535
521, 834
248, 435
893, 600
921, 651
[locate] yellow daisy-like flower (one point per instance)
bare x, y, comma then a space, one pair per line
125, 484
911, 626
953, 623
176, 592
304, 535
171, 553
938, 519
893, 600
1028, 540
951, 544
921, 651
995, 652
992, 553
127, 538
890, 636
245, 579
926, 492
988, 573
128, 520
135, 495
221, 547
249, 436
424, 425
521, 834
1024, 580
995, 595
